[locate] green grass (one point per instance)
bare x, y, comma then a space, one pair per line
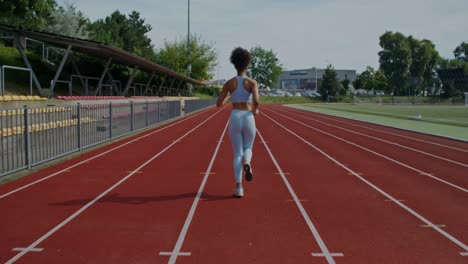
450, 121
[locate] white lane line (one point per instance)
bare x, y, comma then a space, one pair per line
326, 253
92, 158
31, 250
331, 254
382, 131
66, 221
464, 254
185, 254
388, 196
382, 140
176, 251
376, 153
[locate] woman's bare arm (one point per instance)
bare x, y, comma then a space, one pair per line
255, 98
223, 96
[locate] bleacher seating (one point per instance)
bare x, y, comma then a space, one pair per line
9, 98
74, 98
42, 110
6, 132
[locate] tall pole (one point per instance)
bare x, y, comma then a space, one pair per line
189, 66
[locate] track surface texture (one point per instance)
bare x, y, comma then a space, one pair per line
325, 190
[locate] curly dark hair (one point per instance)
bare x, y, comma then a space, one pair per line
240, 58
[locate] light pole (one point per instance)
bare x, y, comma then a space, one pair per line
189, 66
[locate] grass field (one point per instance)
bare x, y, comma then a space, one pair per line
450, 121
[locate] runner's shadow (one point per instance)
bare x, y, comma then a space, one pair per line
116, 198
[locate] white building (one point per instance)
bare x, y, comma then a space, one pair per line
307, 79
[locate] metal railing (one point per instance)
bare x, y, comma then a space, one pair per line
195, 105
34, 135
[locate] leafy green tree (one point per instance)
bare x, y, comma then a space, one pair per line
345, 86
129, 34
461, 52
68, 21
203, 57
395, 60
380, 81
264, 67
358, 83
367, 78
329, 85
30, 14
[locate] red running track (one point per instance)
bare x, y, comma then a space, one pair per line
315, 198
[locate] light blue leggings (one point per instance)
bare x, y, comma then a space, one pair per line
242, 133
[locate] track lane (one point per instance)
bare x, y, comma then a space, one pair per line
460, 146
423, 148
63, 167
88, 180
434, 169
132, 221
442, 206
264, 226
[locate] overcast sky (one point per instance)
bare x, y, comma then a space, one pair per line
303, 33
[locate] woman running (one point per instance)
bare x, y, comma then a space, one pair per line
242, 122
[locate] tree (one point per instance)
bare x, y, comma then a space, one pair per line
264, 67
461, 52
329, 86
31, 14
367, 78
68, 21
357, 83
129, 34
380, 81
345, 85
203, 57
395, 59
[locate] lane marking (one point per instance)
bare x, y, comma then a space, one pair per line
386, 200
176, 251
415, 214
31, 250
89, 204
95, 157
332, 254
382, 131
431, 226
359, 173
375, 153
300, 200
285, 173
185, 254
464, 254
138, 172
382, 140
306, 217
211, 173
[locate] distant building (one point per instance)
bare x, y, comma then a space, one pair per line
218, 83
307, 79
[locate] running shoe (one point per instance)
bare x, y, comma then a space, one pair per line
239, 192
248, 172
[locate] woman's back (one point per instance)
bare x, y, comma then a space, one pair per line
240, 94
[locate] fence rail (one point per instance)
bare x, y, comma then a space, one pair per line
31, 136
194, 105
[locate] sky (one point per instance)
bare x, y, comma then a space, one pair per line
302, 33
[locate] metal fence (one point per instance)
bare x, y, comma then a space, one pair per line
31, 136
194, 105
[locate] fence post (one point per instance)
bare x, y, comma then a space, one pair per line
131, 116
159, 116
78, 116
147, 105
110, 120
27, 138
